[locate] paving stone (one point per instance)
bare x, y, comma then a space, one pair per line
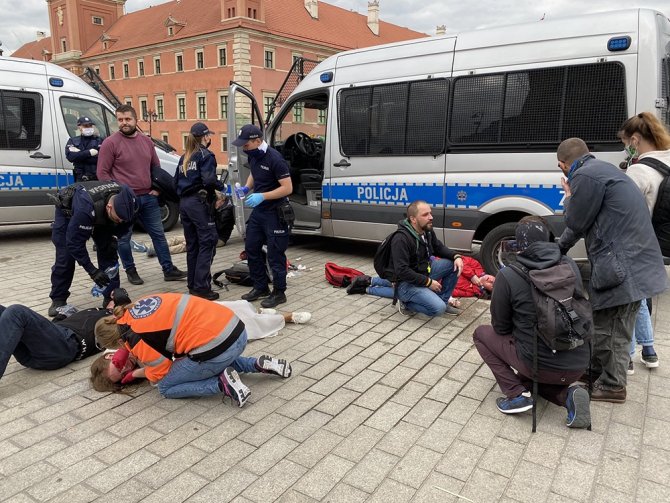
299, 405
303, 427
321, 369
501, 457
293, 387
585, 445
477, 388
624, 439
275, 482
397, 377
424, 412
43, 431
618, 472
415, 466
265, 429
371, 471
179, 488
530, 483
128, 445
363, 380
312, 450
344, 493
430, 374
463, 371
440, 435
445, 390
386, 363
330, 383
355, 366
170, 467
325, 475
130, 491
658, 407
358, 443
460, 409
66, 479
225, 457
630, 412
651, 492
253, 413
480, 430
177, 438
77, 494
410, 393
418, 359
390, 490
74, 453
603, 494
460, 460
31, 455
545, 449
374, 397
348, 420
122, 470
484, 486
439, 488
656, 433
226, 487
655, 465
574, 479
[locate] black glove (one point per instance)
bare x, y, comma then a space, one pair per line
100, 277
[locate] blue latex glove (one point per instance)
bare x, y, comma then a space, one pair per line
254, 200
241, 191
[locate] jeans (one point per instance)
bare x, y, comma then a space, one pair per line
34, 341
149, 213
421, 299
643, 333
190, 378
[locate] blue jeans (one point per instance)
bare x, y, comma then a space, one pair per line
189, 378
421, 299
34, 341
149, 213
644, 332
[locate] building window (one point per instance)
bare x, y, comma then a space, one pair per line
296, 57
157, 65
269, 58
267, 103
223, 106
181, 107
180, 62
224, 143
298, 112
97, 70
112, 75
165, 137
159, 109
128, 101
322, 116
231, 12
140, 68
251, 13
199, 59
63, 45
126, 73
143, 107
104, 45
184, 137
202, 107
170, 31
223, 59
97, 20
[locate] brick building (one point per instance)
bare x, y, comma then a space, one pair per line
174, 61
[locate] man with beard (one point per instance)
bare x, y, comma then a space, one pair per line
426, 271
127, 157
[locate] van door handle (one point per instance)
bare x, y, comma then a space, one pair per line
342, 164
40, 155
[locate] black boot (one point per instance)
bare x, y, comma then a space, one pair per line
359, 284
255, 294
205, 294
277, 297
133, 277
55, 304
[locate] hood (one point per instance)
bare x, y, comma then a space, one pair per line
404, 225
540, 255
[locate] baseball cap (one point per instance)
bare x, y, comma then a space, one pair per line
200, 129
248, 132
124, 204
84, 120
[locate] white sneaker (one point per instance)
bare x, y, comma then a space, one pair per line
267, 310
269, 365
301, 317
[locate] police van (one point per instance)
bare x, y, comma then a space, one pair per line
468, 122
39, 106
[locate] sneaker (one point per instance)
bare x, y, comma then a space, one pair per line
359, 285
402, 309
232, 386
209, 294
269, 365
263, 310
614, 395
277, 297
631, 368
174, 274
515, 405
53, 308
579, 410
133, 277
138, 247
301, 317
151, 252
256, 294
649, 357
452, 311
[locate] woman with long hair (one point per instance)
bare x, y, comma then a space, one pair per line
196, 183
647, 143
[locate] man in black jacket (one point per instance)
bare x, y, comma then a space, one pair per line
425, 269
82, 151
506, 345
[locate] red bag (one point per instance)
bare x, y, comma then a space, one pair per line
340, 276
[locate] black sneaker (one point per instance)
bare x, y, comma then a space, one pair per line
133, 277
649, 358
277, 297
53, 308
174, 274
256, 294
209, 294
359, 285
631, 368
269, 365
231, 385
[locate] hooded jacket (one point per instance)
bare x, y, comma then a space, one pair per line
513, 311
411, 252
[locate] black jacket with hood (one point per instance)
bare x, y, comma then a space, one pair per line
411, 252
513, 311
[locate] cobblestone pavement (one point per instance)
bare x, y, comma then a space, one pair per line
381, 407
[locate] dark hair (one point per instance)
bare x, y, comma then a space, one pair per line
648, 127
413, 208
124, 109
571, 149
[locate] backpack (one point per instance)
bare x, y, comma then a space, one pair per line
564, 315
239, 274
340, 276
383, 257
660, 217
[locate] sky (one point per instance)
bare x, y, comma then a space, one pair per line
19, 25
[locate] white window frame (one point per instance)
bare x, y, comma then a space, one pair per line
142, 109
101, 23
223, 112
112, 71
274, 58
199, 51
224, 142
160, 115
140, 67
182, 96
176, 62
197, 105
266, 104
218, 55
128, 101
184, 137
157, 59
126, 69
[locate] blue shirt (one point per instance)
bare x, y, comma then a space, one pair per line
267, 171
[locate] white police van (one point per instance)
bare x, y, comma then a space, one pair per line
39, 106
468, 122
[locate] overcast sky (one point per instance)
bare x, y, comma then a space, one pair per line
19, 25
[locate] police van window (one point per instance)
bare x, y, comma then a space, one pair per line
73, 108
20, 120
477, 108
407, 118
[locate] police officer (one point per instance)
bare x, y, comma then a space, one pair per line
82, 151
102, 210
196, 184
270, 181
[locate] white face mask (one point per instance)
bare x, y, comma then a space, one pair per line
88, 131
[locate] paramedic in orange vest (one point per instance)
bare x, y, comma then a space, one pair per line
189, 346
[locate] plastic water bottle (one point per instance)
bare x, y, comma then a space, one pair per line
237, 192
112, 272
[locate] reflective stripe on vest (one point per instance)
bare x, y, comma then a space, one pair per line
181, 308
155, 363
219, 339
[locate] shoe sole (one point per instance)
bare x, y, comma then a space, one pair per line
288, 370
180, 278
274, 304
132, 282
251, 299
515, 411
240, 390
650, 365
611, 400
582, 417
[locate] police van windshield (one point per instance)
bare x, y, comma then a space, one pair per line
73, 108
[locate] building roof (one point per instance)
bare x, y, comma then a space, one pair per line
33, 50
336, 27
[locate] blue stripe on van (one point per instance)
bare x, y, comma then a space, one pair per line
16, 180
462, 196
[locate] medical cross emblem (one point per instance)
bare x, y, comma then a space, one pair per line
145, 307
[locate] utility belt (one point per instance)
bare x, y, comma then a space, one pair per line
286, 214
203, 356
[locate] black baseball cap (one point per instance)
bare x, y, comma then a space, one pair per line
200, 129
84, 120
248, 132
124, 204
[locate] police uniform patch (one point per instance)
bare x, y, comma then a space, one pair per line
145, 307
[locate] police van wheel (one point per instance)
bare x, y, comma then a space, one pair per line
169, 215
491, 255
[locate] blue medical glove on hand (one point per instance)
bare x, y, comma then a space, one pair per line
241, 191
254, 200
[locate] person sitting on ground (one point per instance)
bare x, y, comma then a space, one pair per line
424, 282
189, 346
506, 345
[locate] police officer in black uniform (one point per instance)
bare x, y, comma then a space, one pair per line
271, 218
196, 184
82, 151
103, 210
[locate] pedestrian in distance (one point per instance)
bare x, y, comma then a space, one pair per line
128, 157
271, 218
606, 208
82, 151
196, 184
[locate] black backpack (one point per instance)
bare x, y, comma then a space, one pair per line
660, 217
383, 257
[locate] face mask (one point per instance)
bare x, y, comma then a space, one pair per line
209, 142
255, 153
631, 151
88, 131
